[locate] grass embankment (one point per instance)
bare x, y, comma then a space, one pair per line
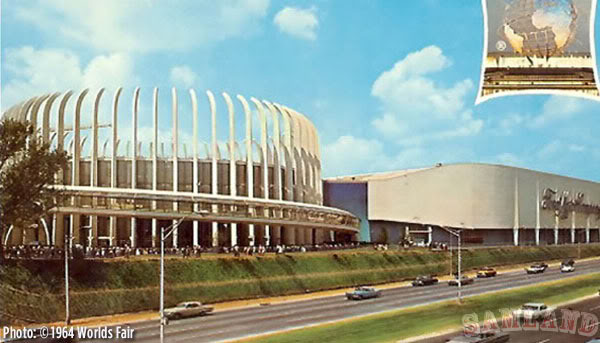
393, 326
32, 291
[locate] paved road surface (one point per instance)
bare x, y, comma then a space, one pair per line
249, 321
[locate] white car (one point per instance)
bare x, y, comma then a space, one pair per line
567, 268
536, 268
532, 311
187, 309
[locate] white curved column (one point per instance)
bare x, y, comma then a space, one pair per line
112, 230
289, 233
301, 233
33, 114
277, 192
214, 167
93, 233
94, 153
315, 151
265, 159
175, 143
311, 179
75, 223
60, 129
10, 113
277, 189
46, 232
304, 154
24, 110
46, 140
134, 130
249, 159
299, 194
154, 161
194, 99
46, 118
308, 196
232, 163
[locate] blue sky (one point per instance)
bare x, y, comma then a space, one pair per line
388, 84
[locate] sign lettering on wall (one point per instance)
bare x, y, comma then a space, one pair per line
564, 203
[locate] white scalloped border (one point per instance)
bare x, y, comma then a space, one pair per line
480, 98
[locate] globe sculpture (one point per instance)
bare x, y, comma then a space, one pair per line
539, 27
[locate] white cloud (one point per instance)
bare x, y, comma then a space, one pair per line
142, 26
110, 71
558, 108
352, 155
509, 122
183, 75
35, 72
550, 149
416, 108
297, 22
429, 59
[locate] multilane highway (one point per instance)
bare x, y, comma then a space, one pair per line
235, 324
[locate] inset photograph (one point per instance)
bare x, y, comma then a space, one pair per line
538, 47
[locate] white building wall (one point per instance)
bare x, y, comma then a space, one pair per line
475, 196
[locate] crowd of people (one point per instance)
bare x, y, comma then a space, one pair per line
79, 251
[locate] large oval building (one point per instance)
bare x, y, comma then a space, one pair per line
253, 178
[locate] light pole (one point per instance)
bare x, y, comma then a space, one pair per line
68, 239
456, 233
164, 234
68, 245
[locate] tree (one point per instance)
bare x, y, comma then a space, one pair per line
27, 170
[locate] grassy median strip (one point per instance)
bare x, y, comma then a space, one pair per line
401, 324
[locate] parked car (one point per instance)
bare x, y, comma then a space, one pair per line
465, 280
482, 337
486, 272
187, 309
536, 268
424, 280
532, 311
361, 293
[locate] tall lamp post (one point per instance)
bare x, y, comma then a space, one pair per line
456, 233
68, 245
164, 234
68, 239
